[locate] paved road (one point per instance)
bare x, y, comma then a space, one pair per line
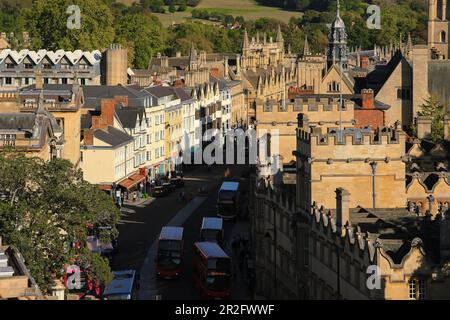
141, 225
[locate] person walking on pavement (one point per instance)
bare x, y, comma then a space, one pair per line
134, 196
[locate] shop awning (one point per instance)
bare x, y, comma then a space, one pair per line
131, 181
105, 187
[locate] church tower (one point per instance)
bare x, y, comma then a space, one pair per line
438, 28
337, 42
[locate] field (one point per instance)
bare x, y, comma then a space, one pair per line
249, 9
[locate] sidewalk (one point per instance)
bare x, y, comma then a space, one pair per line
240, 279
139, 202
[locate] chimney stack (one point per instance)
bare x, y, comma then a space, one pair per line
342, 207
368, 99
424, 127
39, 80
89, 135
364, 62
107, 111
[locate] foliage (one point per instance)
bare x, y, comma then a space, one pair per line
46, 22
142, 34
432, 108
44, 208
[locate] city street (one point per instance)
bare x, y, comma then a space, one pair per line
140, 226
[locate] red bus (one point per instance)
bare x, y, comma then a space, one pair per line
170, 252
212, 270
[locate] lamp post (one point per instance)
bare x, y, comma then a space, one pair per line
373, 164
267, 236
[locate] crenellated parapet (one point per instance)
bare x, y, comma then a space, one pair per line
381, 137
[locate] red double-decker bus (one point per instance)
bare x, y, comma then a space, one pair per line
212, 270
170, 252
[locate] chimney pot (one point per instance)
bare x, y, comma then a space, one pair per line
368, 99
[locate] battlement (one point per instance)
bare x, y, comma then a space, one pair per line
353, 136
306, 105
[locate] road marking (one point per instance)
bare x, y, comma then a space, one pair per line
148, 283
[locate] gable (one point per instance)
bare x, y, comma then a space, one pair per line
333, 75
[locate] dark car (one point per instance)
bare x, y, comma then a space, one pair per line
177, 182
159, 191
168, 187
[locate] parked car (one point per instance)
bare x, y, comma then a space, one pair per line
178, 182
169, 187
159, 191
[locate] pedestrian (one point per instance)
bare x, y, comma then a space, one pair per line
134, 196
126, 194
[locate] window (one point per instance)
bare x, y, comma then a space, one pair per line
28, 66
46, 80
10, 66
149, 155
156, 120
64, 80
306, 248
416, 289
443, 37
81, 156
333, 86
47, 66
8, 81
149, 139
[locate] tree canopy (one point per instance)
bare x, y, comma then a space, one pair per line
45, 208
437, 112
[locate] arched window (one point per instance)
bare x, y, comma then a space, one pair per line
443, 37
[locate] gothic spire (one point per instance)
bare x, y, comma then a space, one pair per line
246, 42
306, 47
279, 34
337, 41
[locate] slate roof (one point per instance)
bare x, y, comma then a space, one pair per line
18, 121
129, 116
113, 136
160, 91
378, 77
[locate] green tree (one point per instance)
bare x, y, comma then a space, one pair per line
45, 207
432, 108
172, 8
143, 34
47, 24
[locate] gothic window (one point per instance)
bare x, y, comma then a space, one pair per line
443, 37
